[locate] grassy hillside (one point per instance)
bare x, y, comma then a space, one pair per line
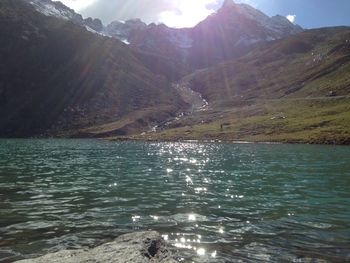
294, 90
312, 64
293, 121
58, 78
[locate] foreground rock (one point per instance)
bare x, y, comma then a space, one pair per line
138, 247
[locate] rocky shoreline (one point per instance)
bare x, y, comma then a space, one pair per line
138, 247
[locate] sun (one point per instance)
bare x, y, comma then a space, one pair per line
77, 4
188, 13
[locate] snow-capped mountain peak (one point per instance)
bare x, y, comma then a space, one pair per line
59, 10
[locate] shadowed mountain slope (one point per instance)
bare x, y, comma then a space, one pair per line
56, 77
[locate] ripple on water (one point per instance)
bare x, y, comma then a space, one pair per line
211, 202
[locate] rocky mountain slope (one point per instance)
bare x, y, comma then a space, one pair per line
59, 10
237, 75
57, 78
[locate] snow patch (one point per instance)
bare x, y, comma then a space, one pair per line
125, 41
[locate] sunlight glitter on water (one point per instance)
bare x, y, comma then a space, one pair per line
201, 251
135, 218
192, 245
248, 202
192, 217
199, 190
155, 217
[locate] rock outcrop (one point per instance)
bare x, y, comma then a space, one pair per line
139, 247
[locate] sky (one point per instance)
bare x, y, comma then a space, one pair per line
187, 13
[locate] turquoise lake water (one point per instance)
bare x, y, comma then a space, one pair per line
212, 202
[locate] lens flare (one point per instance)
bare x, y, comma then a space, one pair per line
188, 13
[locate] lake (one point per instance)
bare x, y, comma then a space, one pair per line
211, 202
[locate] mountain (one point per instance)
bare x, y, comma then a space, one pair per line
233, 31
57, 78
125, 30
59, 10
229, 33
132, 30
237, 75
296, 89
286, 68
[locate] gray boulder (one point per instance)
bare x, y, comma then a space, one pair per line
140, 247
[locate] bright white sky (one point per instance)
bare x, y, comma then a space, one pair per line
174, 13
189, 13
